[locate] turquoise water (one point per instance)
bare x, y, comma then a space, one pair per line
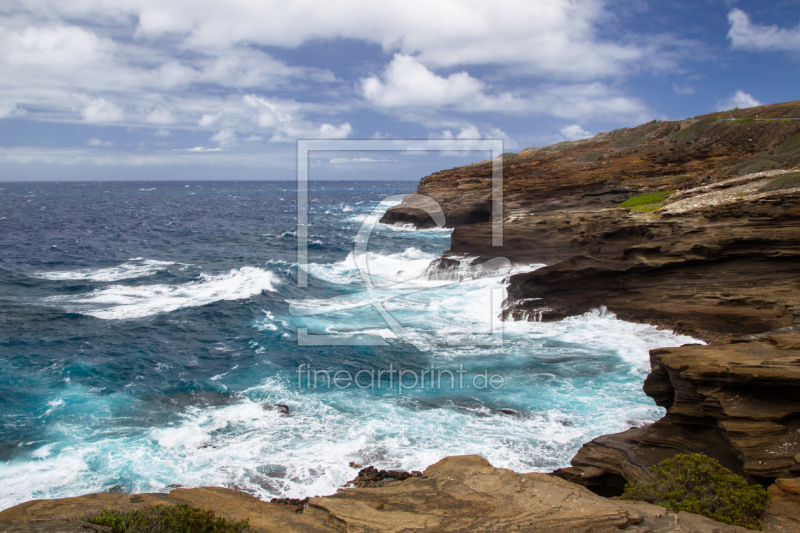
144, 327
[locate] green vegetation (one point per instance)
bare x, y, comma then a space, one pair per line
784, 121
560, 147
746, 120
699, 484
645, 202
591, 157
785, 153
754, 164
619, 132
167, 519
628, 141
787, 181
510, 155
696, 130
770, 120
650, 126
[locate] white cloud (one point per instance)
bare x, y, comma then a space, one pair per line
470, 132
748, 36
94, 141
551, 37
682, 89
188, 64
207, 120
408, 83
192, 156
342, 160
161, 132
101, 111
59, 49
278, 117
160, 116
225, 138
329, 131
9, 110
200, 149
738, 99
574, 132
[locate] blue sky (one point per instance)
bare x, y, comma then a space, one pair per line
201, 89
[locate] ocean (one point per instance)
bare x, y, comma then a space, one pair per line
154, 335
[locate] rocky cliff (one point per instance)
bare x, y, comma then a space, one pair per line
738, 403
691, 225
717, 257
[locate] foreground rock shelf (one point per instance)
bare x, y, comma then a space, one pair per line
457, 494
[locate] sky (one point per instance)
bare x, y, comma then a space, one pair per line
202, 89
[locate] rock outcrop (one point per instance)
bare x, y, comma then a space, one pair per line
457, 494
718, 258
738, 403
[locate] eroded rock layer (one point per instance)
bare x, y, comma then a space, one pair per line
716, 258
738, 403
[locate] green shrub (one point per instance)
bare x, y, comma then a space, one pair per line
787, 181
699, 484
746, 120
167, 519
591, 157
648, 198
784, 121
770, 120
629, 141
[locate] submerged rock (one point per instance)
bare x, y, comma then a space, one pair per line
372, 477
282, 408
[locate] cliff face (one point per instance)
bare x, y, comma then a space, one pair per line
716, 255
738, 403
717, 259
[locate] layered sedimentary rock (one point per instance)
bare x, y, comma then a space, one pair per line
717, 258
457, 494
738, 403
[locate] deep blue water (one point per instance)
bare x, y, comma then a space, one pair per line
145, 326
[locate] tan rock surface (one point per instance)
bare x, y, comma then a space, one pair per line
457, 494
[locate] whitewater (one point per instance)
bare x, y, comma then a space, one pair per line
147, 329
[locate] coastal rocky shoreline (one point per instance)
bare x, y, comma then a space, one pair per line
715, 255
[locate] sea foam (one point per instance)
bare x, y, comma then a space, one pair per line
121, 301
